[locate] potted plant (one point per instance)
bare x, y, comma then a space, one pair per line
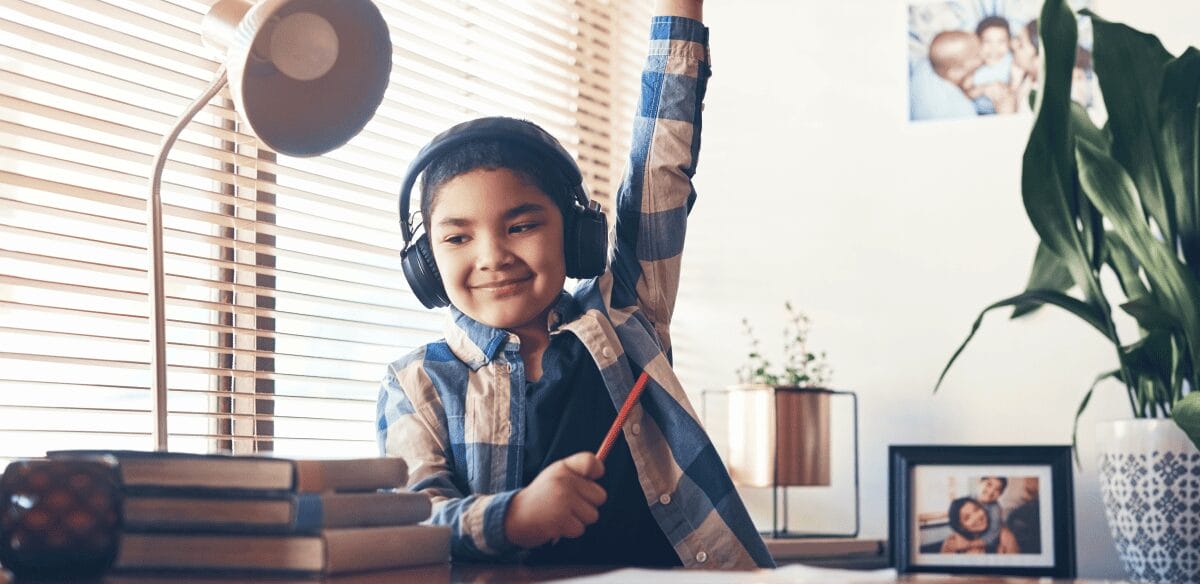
779, 417
1124, 199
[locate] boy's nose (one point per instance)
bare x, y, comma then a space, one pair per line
494, 254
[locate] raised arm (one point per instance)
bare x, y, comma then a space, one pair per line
656, 194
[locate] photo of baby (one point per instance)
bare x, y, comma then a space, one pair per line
969, 58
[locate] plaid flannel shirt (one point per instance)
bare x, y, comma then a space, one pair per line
455, 411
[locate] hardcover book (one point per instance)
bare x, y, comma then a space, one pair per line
177, 472
297, 513
332, 551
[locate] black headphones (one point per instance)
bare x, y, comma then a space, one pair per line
585, 228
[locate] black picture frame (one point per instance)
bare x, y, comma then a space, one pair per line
951, 469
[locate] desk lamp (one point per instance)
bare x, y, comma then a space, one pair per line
305, 75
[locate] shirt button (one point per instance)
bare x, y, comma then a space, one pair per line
637, 429
665, 499
701, 557
606, 352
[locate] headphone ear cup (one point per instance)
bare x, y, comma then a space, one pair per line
422, 274
586, 240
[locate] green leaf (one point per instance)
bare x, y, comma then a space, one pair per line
1177, 142
1113, 192
1130, 65
1087, 397
1048, 273
1085, 129
1075, 306
1150, 357
1091, 223
1048, 180
1187, 415
1150, 316
1122, 262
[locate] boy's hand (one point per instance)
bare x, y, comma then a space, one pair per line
561, 502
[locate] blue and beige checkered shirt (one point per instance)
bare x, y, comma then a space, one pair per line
455, 411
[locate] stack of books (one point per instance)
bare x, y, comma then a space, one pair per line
270, 515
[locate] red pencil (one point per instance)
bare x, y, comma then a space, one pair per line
611, 437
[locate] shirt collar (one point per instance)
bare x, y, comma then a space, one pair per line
477, 344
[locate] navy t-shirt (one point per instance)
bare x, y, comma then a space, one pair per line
569, 411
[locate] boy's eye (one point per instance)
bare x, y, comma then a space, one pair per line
522, 227
455, 239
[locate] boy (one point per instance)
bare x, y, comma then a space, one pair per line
990, 489
499, 421
993, 83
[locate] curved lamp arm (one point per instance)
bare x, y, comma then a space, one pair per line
336, 53
154, 228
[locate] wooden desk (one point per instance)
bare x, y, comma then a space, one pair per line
491, 573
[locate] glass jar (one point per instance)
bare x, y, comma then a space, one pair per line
60, 517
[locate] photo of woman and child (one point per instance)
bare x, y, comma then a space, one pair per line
976, 514
981, 57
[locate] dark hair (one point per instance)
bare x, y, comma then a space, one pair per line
956, 517
1032, 28
1003, 482
993, 22
495, 154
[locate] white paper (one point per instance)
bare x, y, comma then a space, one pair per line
791, 573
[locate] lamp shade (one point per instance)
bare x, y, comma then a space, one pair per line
306, 75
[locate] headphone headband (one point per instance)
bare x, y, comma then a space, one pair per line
513, 130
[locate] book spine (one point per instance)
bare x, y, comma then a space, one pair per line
310, 513
205, 492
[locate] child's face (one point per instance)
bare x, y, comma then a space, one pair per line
989, 490
973, 518
993, 44
498, 243
1024, 54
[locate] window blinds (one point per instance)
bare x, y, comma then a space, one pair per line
285, 299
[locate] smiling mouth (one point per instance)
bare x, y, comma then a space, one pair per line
503, 285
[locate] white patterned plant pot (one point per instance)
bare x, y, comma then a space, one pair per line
1150, 481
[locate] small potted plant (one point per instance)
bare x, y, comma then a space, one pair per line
779, 417
801, 367
1124, 200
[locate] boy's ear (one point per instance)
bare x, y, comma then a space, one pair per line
422, 274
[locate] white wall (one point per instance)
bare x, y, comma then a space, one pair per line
891, 236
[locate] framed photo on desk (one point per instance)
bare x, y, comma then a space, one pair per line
999, 510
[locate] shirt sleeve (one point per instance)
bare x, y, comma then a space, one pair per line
417, 432
656, 193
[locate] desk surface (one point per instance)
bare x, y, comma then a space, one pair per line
517, 574
468, 573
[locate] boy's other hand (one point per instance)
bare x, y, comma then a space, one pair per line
560, 502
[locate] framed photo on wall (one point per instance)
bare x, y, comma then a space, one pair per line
1000, 510
972, 58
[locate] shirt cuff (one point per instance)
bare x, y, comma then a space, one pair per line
678, 28
493, 523
680, 37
